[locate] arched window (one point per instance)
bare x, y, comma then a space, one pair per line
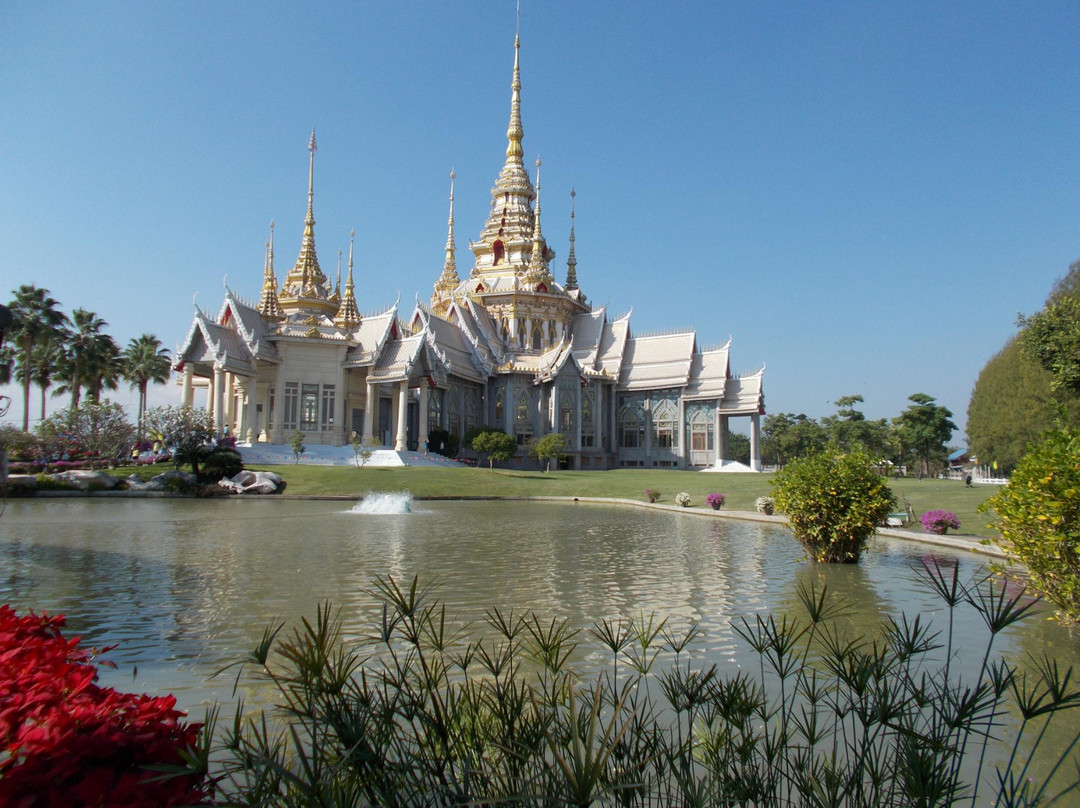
665, 424
552, 335
631, 424
536, 338
701, 431
566, 416
499, 251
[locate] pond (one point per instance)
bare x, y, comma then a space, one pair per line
186, 587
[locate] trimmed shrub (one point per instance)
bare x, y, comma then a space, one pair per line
215, 463
1038, 514
834, 502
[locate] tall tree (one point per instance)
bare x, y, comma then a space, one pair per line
145, 361
91, 359
36, 315
925, 428
786, 436
1012, 406
1052, 338
43, 364
849, 429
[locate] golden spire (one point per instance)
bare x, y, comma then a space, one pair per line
571, 259
305, 287
514, 132
337, 289
537, 272
268, 299
348, 315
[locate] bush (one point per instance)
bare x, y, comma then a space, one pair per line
215, 463
765, 505
834, 502
651, 494
439, 716
715, 501
939, 522
1038, 515
682, 498
68, 741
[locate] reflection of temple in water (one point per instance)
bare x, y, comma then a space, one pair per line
508, 346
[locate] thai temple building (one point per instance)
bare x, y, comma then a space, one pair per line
504, 344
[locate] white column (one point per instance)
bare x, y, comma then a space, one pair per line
278, 435
239, 389
219, 401
341, 414
402, 414
188, 394
230, 401
422, 437
682, 435
755, 442
370, 408
717, 457
251, 421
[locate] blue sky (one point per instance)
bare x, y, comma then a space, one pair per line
861, 194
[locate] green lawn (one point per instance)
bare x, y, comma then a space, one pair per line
741, 489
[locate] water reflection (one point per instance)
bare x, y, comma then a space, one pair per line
186, 587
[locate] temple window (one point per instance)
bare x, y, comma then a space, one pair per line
499, 252
328, 406
701, 432
537, 338
665, 424
499, 407
523, 407
292, 398
309, 407
631, 424
566, 416
552, 336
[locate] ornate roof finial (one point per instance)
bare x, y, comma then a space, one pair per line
305, 287
537, 264
514, 132
449, 279
571, 259
337, 289
348, 314
268, 305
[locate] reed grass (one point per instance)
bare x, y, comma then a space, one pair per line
425, 712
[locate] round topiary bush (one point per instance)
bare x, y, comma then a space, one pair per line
219, 462
834, 502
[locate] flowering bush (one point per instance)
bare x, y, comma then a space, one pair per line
682, 498
765, 505
651, 494
939, 522
68, 741
715, 501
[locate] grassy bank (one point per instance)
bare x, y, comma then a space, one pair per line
741, 489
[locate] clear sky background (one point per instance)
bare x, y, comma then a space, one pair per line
861, 194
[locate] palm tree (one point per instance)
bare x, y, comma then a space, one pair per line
145, 361
36, 315
90, 360
44, 364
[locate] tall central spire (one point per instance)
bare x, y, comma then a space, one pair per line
305, 287
514, 132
